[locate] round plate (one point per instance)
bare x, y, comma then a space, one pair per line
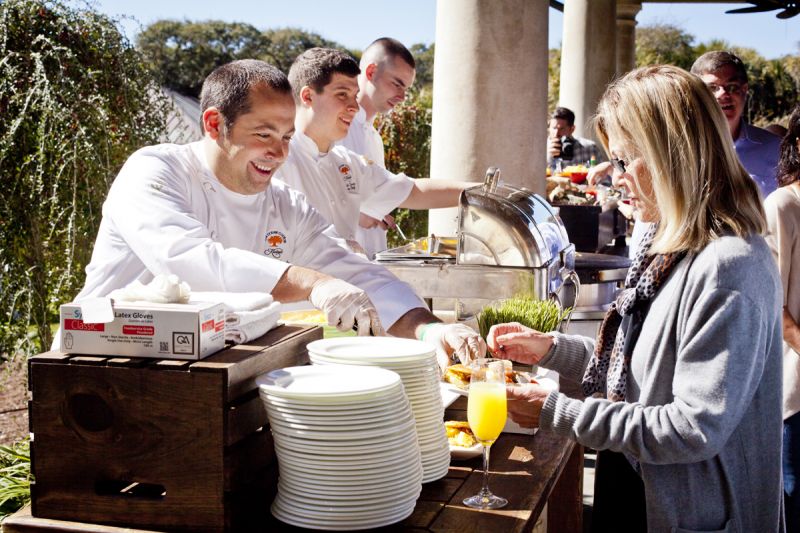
461, 454
372, 348
328, 382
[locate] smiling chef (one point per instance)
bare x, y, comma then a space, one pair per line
210, 213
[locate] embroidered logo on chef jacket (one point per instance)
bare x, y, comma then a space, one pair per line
274, 240
349, 182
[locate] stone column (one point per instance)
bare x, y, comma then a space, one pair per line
626, 35
588, 58
489, 95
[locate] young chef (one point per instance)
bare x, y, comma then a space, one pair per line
340, 183
387, 71
210, 213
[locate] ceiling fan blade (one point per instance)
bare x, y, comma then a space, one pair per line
789, 12
753, 9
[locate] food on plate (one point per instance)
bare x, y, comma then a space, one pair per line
459, 376
459, 434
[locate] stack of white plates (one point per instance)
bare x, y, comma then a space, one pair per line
346, 443
415, 361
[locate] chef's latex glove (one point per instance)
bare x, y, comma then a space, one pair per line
346, 305
454, 341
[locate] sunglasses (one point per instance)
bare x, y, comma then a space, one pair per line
618, 164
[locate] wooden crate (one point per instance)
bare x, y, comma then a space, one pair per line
157, 444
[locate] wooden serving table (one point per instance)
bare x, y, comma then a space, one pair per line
530, 471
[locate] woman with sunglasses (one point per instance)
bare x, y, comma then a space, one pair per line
684, 378
783, 218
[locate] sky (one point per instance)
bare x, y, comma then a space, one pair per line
356, 23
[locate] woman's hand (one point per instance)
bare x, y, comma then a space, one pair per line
525, 404
519, 343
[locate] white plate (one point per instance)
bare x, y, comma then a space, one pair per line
353, 434
328, 382
299, 519
448, 395
460, 453
407, 482
372, 348
343, 447
345, 403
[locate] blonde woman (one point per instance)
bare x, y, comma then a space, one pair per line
684, 379
783, 218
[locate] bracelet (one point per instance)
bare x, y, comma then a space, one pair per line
425, 329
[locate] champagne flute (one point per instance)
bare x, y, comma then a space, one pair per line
486, 414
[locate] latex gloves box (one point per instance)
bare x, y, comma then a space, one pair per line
145, 329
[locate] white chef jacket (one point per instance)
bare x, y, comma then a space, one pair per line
167, 213
362, 138
341, 183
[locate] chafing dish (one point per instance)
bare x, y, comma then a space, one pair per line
510, 241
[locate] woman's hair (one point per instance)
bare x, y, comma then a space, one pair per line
669, 119
789, 163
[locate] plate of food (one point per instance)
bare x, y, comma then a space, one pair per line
457, 377
463, 444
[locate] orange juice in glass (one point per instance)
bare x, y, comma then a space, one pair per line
486, 410
486, 414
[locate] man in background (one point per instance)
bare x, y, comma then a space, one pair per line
563, 147
387, 72
758, 150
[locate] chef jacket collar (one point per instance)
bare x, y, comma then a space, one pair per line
307, 146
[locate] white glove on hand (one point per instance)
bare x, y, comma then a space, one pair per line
454, 340
345, 305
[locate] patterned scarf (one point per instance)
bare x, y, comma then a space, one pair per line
608, 367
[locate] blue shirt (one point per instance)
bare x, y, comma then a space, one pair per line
759, 150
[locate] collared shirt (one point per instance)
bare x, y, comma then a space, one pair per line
167, 213
364, 139
759, 151
583, 150
340, 183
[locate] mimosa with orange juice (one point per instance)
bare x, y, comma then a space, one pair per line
486, 414
486, 410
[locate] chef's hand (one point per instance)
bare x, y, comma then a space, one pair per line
525, 404
345, 305
454, 340
518, 343
599, 173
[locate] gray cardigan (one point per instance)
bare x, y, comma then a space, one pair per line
703, 413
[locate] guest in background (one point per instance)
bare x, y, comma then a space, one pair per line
783, 218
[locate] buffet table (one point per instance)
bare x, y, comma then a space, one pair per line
186, 440
529, 471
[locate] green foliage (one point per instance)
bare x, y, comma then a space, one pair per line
182, 54
285, 44
15, 477
423, 57
406, 133
553, 78
76, 101
541, 315
664, 44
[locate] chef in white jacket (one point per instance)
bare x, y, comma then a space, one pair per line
340, 183
387, 71
210, 213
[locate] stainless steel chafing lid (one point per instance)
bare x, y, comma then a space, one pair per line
504, 225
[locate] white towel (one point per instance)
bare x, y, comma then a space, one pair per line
248, 315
